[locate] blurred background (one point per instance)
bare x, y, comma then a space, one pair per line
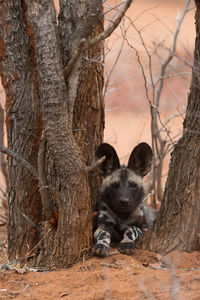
134, 56
127, 108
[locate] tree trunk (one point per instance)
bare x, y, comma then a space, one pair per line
88, 110
20, 80
66, 112
178, 223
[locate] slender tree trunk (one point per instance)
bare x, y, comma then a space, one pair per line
54, 123
178, 223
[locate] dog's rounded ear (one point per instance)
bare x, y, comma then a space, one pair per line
141, 159
111, 161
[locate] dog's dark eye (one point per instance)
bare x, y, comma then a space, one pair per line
115, 185
132, 184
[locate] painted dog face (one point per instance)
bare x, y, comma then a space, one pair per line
122, 189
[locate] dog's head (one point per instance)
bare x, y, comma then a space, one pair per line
122, 188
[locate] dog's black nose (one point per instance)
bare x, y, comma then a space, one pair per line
124, 202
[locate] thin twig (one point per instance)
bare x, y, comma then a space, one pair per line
186, 62
3, 192
113, 8
142, 70
173, 75
172, 54
144, 11
29, 253
172, 117
159, 146
149, 58
30, 222
95, 164
114, 65
20, 159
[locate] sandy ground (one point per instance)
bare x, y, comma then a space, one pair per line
143, 275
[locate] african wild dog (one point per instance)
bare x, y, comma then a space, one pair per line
122, 216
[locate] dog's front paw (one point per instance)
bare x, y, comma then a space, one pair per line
102, 246
100, 249
126, 247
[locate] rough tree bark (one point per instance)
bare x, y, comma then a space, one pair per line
20, 80
52, 73
66, 112
88, 110
178, 223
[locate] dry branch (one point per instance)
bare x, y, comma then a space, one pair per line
173, 52
30, 222
160, 145
114, 64
3, 192
84, 44
95, 164
40, 175
20, 159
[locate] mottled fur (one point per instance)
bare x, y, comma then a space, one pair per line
122, 215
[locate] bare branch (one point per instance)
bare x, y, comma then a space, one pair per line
143, 72
172, 54
114, 64
160, 146
84, 45
144, 11
173, 75
30, 222
3, 191
186, 62
163, 23
92, 60
20, 159
31, 251
169, 119
113, 8
149, 59
95, 164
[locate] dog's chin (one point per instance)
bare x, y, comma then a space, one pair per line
125, 209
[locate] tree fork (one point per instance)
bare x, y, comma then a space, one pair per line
40, 99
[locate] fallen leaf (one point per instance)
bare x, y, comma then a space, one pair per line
64, 294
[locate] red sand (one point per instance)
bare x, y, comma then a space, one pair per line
144, 275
